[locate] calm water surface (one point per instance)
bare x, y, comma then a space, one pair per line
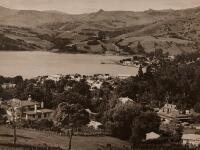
33, 64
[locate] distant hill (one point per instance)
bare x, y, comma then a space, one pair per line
31, 18
116, 32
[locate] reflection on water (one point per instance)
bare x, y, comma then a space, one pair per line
32, 64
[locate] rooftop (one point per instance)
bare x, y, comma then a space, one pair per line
39, 111
28, 103
191, 137
125, 100
22, 103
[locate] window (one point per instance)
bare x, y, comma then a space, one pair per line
45, 115
39, 115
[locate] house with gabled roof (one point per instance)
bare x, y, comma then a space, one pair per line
171, 112
27, 110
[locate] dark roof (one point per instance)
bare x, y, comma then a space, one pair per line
28, 103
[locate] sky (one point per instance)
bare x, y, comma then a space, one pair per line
86, 6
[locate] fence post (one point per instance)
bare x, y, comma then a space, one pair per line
109, 147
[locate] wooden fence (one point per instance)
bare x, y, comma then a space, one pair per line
8, 146
85, 132
148, 147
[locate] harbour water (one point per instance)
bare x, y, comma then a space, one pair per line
33, 64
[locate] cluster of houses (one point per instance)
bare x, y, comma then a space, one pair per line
140, 60
8, 86
22, 110
170, 112
94, 81
33, 110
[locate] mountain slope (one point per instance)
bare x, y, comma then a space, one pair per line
174, 31
31, 18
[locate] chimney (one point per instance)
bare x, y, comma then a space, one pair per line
29, 98
35, 108
42, 105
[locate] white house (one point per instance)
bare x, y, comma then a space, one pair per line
125, 100
152, 136
193, 139
8, 86
94, 124
124, 76
55, 78
27, 109
170, 112
39, 114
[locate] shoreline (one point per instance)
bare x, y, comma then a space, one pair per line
65, 53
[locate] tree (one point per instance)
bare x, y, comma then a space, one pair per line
140, 72
140, 48
2, 79
148, 75
144, 123
82, 88
49, 85
178, 134
2, 113
70, 116
127, 88
60, 43
197, 107
18, 80
119, 119
13, 119
72, 97
60, 85
158, 53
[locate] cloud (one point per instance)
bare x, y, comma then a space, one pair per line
82, 6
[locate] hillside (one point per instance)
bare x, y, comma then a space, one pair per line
116, 32
33, 137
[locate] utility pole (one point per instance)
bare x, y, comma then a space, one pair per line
70, 134
14, 133
13, 119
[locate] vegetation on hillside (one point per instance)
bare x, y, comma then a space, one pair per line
115, 32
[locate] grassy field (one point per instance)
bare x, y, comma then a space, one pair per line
78, 142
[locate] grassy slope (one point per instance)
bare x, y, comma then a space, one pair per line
79, 143
175, 31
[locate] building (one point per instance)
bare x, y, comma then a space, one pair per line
55, 78
94, 124
125, 100
152, 136
170, 112
8, 86
27, 110
124, 76
39, 114
193, 139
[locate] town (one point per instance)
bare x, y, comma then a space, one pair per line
159, 105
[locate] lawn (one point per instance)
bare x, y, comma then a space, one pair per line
37, 137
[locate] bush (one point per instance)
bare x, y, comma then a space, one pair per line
41, 124
93, 42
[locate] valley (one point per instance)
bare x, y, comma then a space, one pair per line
102, 32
